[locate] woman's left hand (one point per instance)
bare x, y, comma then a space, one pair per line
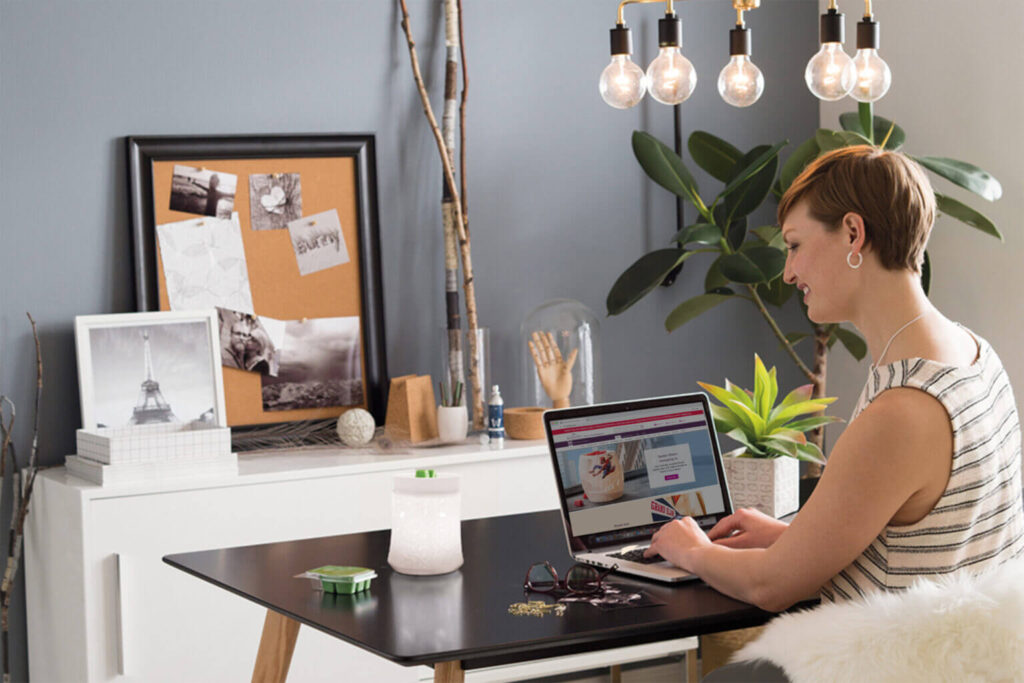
676, 542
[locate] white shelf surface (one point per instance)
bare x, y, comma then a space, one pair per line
260, 467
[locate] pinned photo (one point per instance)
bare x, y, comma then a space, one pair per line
247, 342
318, 242
320, 366
204, 264
203, 191
275, 199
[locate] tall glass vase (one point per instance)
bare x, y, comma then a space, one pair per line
473, 370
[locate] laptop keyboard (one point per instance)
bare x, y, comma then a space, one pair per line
637, 556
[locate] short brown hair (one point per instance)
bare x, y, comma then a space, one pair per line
888, 190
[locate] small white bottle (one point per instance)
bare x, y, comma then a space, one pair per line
496, 418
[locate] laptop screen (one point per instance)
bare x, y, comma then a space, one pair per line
624, 469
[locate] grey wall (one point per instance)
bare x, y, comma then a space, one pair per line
558, 205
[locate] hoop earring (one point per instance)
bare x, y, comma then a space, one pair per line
860, 260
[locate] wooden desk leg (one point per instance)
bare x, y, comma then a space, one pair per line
449, 672
276, 647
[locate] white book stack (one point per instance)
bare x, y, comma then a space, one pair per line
123, 455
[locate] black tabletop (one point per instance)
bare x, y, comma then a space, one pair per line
462, 615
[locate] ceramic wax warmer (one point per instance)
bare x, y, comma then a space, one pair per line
426, 523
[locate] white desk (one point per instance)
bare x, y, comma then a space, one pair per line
102, 606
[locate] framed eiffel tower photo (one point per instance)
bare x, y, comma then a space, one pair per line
150, 368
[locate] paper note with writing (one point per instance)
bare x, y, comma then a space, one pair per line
318, 242
204, 264
669, 465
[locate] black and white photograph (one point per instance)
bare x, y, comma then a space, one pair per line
320, 366
275, 199
203, 191
147, 368
247, 344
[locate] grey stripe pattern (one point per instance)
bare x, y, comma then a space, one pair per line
978, 521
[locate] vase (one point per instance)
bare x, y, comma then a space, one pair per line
452, 424
771, 485
458, 364
573, 328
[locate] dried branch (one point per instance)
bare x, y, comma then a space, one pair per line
22, 485
462, 121
460, 223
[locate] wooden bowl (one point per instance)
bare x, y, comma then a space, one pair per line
524, 422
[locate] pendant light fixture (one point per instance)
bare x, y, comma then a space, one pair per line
831, 74
622, 82
670, 76
740, 83
873, 74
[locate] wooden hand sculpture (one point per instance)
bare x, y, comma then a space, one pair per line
554, 373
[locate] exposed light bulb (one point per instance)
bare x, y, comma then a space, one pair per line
873, 76
671, 77
622, 82
740, 83
830, 74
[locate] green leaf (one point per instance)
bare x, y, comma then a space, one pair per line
752, 193
754, 265
852, 122
829, 140
782, 446
762, 388
739, 393
713, 154
811, 453
721, 394
641, 277
965, 214
782, 415
753, 167
767, 233
701, 233
807, 152
866, 114
714, 278
964, 174
745, 439
666, 168
776, 292
853, 342
810, 423
926, 273
758, 422
798, 395
773, 392
725, 419
691, 308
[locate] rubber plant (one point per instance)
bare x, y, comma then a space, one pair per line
746, 264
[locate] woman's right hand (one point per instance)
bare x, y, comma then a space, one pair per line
747, 528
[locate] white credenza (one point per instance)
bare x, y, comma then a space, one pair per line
102, 606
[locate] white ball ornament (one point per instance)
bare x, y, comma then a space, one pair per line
356, 427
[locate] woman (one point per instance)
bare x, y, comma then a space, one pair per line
925, 480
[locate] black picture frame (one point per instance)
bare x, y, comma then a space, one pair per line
144, 151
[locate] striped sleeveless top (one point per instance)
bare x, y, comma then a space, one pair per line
978, 521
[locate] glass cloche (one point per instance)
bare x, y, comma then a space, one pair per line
562, 339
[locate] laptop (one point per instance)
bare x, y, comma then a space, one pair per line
624, 469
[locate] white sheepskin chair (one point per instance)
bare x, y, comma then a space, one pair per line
964, 628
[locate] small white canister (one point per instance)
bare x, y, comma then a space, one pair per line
426, 524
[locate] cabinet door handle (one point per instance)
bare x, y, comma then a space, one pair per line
123, 568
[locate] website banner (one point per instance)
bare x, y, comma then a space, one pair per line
637, 468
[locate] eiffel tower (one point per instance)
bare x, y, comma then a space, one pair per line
151, 406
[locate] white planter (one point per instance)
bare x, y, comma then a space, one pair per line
452, 424
772, 485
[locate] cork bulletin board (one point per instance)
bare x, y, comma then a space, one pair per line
310, 253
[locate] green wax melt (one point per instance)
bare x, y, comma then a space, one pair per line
346, 580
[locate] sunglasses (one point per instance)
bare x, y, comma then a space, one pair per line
581, 579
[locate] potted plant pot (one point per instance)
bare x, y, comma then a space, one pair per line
771, 485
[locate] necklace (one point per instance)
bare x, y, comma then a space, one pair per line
894, 335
